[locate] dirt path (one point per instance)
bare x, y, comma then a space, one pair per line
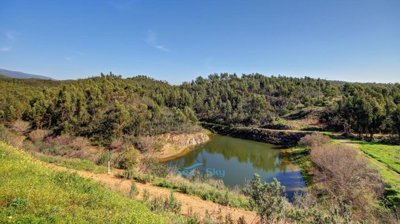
189, 203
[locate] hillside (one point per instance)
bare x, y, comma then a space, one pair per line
33, 193
109, 107
21, 75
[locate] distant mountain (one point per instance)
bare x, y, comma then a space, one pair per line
21, 75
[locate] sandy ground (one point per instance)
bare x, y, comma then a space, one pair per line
189, 203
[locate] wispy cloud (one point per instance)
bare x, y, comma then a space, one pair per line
5, 49
153, 42
9, 38
10, 35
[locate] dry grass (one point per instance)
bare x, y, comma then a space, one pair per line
38, 135
314, 140
20, 126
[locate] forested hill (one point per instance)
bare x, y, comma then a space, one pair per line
101, 108
107, 107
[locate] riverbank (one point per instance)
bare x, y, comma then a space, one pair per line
286, 138
172, 145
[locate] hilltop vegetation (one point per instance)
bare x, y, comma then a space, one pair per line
101, 108
109, 107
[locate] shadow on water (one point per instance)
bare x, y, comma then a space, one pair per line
235, 161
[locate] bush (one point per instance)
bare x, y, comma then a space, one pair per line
142, 178
127, 159
170, 204
38, 135
145, 143
133, 191
116, 144
146, 195
63, 139
267, 199
20, 126
153, 167
314, 140
345, 179
103, 158
11, 138
80, 143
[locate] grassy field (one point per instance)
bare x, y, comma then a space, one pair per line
384, 158
34, 193
387, 154
387, 163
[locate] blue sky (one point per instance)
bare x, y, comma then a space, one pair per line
179, 40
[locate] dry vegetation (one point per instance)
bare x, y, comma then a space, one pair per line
314, 140
344, 185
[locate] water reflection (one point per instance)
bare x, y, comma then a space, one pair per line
239, 159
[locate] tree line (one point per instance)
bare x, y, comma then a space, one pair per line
108, 106
101, 108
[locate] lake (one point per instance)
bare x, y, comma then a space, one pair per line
236, 160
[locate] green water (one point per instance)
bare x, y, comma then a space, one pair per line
235, 160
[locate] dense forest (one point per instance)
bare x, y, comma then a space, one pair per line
101, 108
108, 106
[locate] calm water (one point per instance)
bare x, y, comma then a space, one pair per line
235, 160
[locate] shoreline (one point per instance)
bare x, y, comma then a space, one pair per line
276, 137
176, 145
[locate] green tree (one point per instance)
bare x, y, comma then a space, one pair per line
267, 199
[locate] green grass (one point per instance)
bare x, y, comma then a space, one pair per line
300, 156
388, 165
203, 190
385, 159
31, 192
71, 163
387, 154
200, 188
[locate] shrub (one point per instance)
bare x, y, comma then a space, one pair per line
63, 139
38, 135
314, 140
241, 220
11, 138
173, 204
80, 143
127, 159
170, 204
20, 126
346, 180
116, 144
133, 191
193, 218
146, 195
103, 158
153, 167
145, 143
142, 178
267, 199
